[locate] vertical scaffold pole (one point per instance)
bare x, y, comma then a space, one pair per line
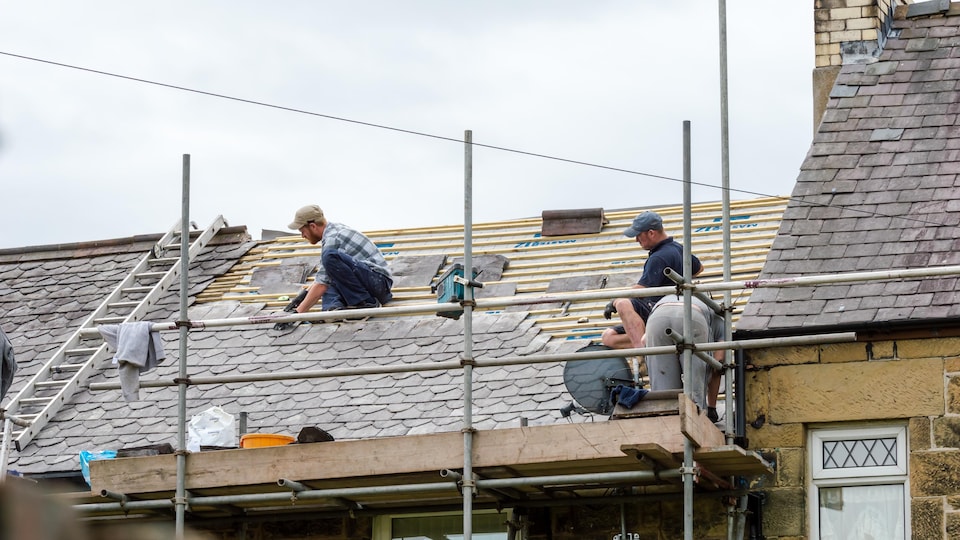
181, 500
687, 334
468, 483
728, 358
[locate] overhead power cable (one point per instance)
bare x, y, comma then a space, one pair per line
450, 139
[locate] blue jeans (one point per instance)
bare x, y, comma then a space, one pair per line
352, 283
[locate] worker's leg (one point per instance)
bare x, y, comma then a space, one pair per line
666, 370
353, 282
663, 369
700, 371
615, 338
713, 388
633, 314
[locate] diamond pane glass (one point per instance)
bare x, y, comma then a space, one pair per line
852, 454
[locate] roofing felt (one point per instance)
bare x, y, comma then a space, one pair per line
47, 293
878, 190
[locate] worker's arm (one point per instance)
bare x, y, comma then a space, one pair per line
610, 309
697, 266
314, 294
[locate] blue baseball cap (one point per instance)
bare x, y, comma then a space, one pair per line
646, 221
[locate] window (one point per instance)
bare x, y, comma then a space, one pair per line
487, 525
859, 486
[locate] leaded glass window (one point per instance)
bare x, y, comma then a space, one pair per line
859, 486
859, 453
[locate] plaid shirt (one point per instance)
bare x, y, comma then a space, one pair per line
353, 243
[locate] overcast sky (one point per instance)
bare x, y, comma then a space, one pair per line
84, 156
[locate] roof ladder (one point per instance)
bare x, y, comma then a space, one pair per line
77, 359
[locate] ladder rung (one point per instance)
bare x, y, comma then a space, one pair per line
129, 304
35, 400
109, 320
138, 289
89, 333
87, 351
51, 384
151, 275
66, 367
165, 260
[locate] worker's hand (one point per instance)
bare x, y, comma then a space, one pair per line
286, 326
609, 310
292, 306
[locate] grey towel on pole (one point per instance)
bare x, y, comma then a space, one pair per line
9, 366
138, 351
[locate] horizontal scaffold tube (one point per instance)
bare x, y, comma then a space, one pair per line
677, 338
314, 494
821, 339
497, 302
824, 279
16, 420
487, 303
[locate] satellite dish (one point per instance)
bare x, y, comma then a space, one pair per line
590, 381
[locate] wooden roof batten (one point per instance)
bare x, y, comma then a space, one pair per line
535, 261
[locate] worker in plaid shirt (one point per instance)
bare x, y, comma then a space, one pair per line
352, 273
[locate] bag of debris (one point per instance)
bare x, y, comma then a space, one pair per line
212, 427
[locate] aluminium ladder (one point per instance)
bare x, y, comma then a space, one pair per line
77, 359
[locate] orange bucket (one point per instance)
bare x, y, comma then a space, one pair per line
258, 440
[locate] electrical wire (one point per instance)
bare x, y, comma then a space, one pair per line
451, 139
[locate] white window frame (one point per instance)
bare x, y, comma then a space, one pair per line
383, 524
820, 477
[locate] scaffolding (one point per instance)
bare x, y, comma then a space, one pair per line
465, 483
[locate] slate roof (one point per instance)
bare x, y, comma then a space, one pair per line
47, 291
879, 189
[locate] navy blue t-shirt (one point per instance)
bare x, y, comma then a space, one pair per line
666, 254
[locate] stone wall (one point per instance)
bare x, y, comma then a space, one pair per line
912, 380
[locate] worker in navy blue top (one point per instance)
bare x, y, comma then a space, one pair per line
665, 252
352, 273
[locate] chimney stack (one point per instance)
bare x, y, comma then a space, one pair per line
846, 32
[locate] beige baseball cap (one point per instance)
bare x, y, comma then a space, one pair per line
305, 214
